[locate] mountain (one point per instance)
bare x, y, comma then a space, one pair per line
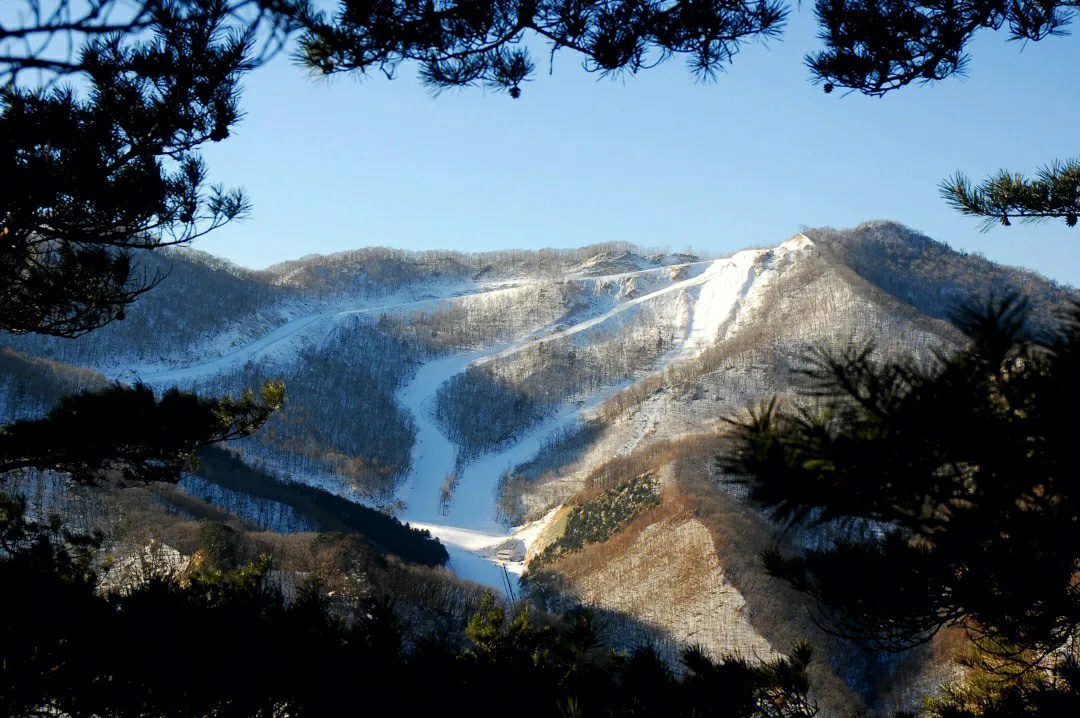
557, 410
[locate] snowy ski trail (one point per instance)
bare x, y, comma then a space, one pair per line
294, 329
718, 270
468, 526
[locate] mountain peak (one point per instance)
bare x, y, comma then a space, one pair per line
797, 242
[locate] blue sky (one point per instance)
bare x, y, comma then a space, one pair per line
656, 159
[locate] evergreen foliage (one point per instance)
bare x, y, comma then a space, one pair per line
95, 175
92, 177
222, 641
963, 465
1055, 193
328, 511
875, 47
965, 474
598, 519
995, 687
468, 43
126, 432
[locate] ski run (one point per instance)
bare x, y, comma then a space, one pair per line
481, 549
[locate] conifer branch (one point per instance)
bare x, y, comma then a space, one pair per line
1053, 194
127, 433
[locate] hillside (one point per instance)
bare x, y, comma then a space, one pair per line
503, 401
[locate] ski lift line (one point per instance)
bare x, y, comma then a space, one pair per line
509, 586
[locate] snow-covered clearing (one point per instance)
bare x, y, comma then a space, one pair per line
713, 275
725, 285
282, 343
729, 286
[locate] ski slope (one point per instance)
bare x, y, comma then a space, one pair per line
713, 296
469, 525
285, 340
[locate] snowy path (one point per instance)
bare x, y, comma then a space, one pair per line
469, 525
719, 300
281, 337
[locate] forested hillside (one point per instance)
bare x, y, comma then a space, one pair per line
930, 276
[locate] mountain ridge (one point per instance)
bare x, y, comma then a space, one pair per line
224, 325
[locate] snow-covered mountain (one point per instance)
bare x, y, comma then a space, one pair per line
414, 376
472, 393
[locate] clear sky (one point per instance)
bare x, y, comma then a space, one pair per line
656, 159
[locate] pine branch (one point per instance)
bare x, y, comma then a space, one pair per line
462, 43
1053, 194
876, 47
127, 432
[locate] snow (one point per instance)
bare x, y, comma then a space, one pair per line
797, 243
286, 341
469, 525
286, 337
709, 296
620, 259
530, 532
730, 285
433, 454
703, 278
725, 285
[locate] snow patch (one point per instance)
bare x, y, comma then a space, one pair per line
725, 285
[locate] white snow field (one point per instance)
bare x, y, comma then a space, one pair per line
712, 296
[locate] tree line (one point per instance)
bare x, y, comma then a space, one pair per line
327, 511
226, 642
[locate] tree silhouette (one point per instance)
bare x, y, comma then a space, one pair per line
870, 47
97, 171
126, 432
875, 47
462, 43
92, 175
951, 491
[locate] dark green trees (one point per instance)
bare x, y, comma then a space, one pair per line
875, 47
93, 174
952, 491
98, 150
127, 433
462, 43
